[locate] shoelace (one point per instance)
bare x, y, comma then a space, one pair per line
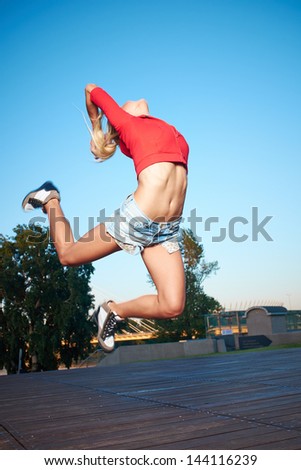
109, 326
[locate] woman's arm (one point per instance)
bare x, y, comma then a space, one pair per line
96, 98
92, 109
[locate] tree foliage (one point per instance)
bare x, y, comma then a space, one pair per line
44, 306
191, 324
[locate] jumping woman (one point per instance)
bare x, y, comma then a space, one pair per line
147, 222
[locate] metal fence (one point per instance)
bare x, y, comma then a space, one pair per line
235, 322
226, 323
293, 320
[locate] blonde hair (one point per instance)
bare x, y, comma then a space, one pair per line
105, 142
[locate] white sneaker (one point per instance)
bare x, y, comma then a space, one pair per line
38, 197
106, 320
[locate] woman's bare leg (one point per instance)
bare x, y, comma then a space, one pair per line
167, 272
166, 269
94, 245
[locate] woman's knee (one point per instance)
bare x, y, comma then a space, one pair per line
173, 307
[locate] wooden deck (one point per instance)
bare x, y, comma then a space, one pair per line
249, 400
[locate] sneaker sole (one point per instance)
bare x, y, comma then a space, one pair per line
95, 319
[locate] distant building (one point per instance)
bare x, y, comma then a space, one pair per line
266, 320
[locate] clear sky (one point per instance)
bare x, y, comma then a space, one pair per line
226, 73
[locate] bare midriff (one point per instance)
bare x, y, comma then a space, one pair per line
161, 191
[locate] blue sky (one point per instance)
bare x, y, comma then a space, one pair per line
226, 73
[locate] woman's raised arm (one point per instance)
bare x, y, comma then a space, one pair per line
96, 98
92, 109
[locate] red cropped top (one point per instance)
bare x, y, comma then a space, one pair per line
145, 139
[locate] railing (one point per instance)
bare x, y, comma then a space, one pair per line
293, 320
226, 323
235, 322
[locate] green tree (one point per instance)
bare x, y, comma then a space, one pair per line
190, 324
44, 306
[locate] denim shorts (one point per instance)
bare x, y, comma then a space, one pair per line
133, 230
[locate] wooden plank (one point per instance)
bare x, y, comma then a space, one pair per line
8, 441
237, 440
